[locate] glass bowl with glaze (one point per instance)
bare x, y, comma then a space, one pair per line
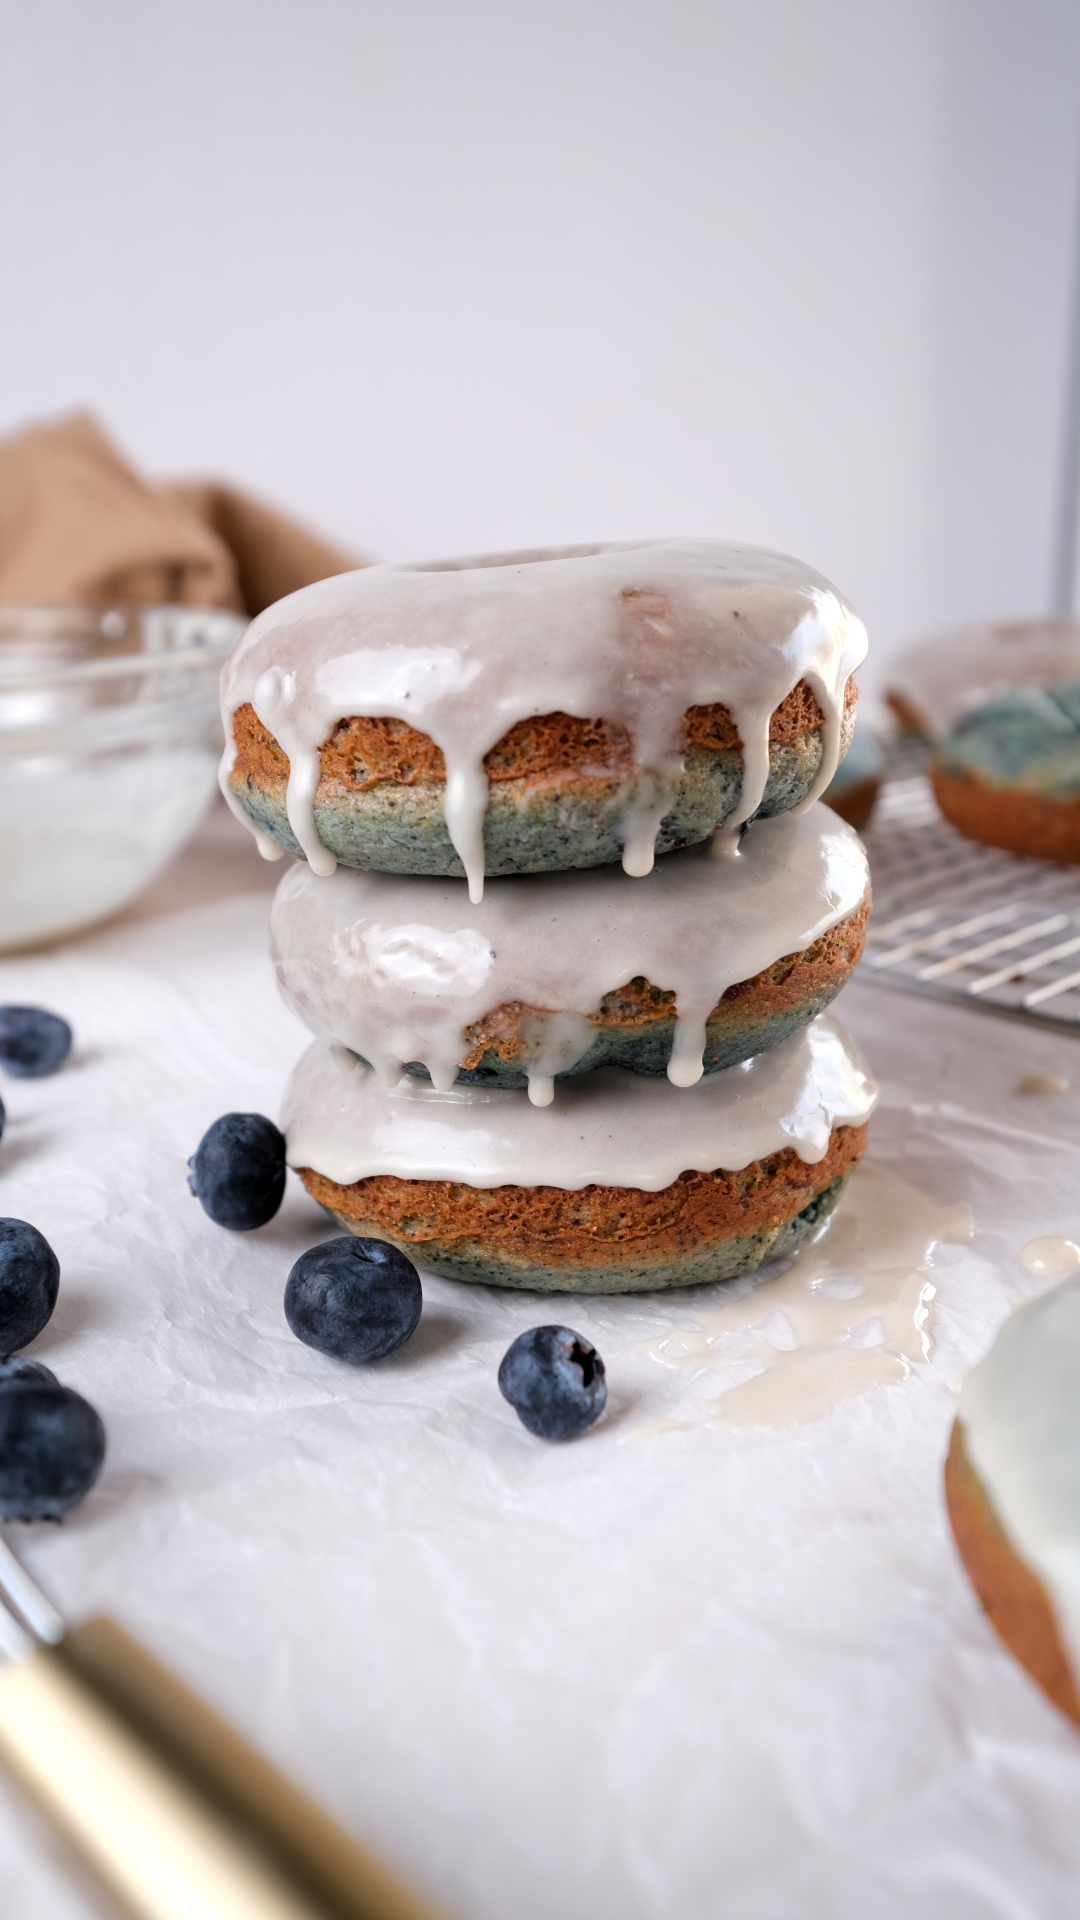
109, 741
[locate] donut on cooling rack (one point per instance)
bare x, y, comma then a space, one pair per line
1012, 1483
537, 712
934, 683
1007, 773
627, 1183
699, 965
854, 786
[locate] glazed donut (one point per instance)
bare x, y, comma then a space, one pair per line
1008, 772
1012, 1484
627, 1183
695, 967
932, 684
535, 712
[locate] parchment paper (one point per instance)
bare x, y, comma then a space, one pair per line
714, 1673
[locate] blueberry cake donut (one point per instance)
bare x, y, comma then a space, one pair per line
627, 1183
537, 712
1007, 773
1012, 1483
691, 969
934, 683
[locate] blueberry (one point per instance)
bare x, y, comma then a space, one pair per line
52, 1444
16, 1371
32, 1042
29, 1278
355, 1299
238, 1171
554, 1380
3, 1117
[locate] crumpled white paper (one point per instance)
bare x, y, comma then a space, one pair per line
718, 1672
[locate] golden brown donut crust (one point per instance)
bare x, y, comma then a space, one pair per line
361, 753
788, 983
556, 1227
1014, 1599
1007, 817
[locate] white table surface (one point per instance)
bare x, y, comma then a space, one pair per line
714, 1673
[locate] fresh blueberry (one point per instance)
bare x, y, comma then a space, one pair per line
238, 1171
16, 1371
32, 1042
355, 1299
3, 1117
29, 1278
52, 1444
554, 1380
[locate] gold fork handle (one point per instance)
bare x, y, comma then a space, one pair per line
176, 1813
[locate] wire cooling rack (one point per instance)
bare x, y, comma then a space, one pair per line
960, 921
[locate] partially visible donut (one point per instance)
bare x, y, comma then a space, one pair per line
1008, 772
932, 684
1012, 1484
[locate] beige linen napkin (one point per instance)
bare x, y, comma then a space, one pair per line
272, 555
79, 526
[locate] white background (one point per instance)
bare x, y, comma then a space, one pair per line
444, 277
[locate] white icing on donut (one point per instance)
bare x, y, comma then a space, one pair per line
397, 968
608, 1128
464, 650
1022, 1436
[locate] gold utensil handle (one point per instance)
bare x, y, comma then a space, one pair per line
180, 1817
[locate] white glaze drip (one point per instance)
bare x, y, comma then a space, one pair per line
850, 1312
398, 968
608, 1128
553, 1043
1021, 1435
634, 635
277, 701
830, 742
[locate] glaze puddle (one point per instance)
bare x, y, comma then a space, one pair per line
1050, 1257
1036, 1083
850, 1312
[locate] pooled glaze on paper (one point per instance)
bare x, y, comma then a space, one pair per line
1050, 1256
1022, 1436
395, 969
608, 1128
850, 1312
464, 650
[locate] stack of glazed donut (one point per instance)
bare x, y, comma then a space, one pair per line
565, 915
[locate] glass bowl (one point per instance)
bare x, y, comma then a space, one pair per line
109, 742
